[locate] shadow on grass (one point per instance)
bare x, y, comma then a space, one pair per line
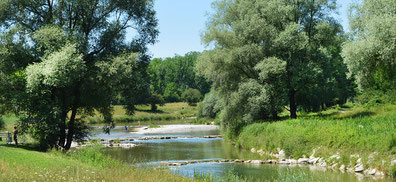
358, 115
26, 146
150, 111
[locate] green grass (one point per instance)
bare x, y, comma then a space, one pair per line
170, 111
9, 121
363, 131
18, 164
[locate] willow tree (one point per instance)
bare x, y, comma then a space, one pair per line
273, 53
371, 53
61, 60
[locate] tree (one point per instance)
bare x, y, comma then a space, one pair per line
370, 54
171, 76
156, 99
61, 60
192, 96
268, 54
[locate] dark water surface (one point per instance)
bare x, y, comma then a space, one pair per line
152, 152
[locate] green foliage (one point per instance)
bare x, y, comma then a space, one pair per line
210, 106
156, 99
2, 124
278, 53
59, 57
192, 96
171, 76
370, 52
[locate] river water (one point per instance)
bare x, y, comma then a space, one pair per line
150, 153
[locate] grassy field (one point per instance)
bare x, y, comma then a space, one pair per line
18, 164
368, 132
169, 111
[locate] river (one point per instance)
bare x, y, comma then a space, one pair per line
154, 153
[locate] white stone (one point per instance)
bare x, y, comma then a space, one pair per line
372, 171
359, 160
393, 162
359, 168
293, 161
334, 165
282, 154
313, 160
284, 162
342, 167
303, 160
253, 150
257, 162
261, 152
379, 173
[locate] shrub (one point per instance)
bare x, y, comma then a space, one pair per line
2, 125
192, 96
210, 105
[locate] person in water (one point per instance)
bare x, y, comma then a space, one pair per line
126, 127
15, 136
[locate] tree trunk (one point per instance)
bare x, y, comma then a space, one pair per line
70, 132
62, 130
292, 101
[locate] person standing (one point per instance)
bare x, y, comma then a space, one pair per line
15, 136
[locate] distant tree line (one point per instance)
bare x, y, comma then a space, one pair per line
175, 79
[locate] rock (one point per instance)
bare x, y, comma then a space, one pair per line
257, 162
131, 139
359, 168
372, 172
313, 160
342, 167
261, 152
323, 164
253, 150
293, 161
284, 162
379, 173
303, 160
225, 160
271, 161
248, 161
281, 154
334, 166
393, 162
336, 156
238, 160
359, 160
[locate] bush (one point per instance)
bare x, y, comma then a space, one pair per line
210, 106
192, 96
2, 124
373, 97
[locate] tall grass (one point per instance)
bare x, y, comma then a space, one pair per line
368, 132
17, 164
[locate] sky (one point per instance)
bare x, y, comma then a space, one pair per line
181, 23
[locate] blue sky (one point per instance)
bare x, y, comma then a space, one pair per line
181, 23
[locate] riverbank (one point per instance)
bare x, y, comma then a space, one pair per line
354, 139
175, 129
169, 111
21, 164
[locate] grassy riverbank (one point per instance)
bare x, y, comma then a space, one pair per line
18, 164
169, 111
367, 132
